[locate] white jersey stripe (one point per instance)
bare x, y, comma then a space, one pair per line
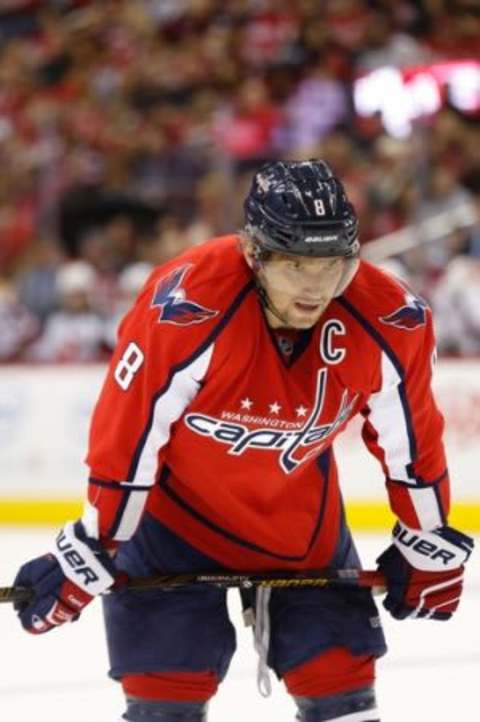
90, 520
368, 715
131, 516
387, 416
169, 407
426, 507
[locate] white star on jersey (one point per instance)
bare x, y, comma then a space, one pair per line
301, 411
246, 404
275, 408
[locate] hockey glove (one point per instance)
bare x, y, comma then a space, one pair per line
424, 571
63, 581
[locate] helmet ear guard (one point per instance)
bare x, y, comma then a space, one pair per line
255, 253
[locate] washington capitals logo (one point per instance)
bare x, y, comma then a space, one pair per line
293, 446
408, 317
174, 306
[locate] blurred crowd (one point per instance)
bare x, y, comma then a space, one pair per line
129, 130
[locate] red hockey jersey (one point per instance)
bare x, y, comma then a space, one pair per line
205, 423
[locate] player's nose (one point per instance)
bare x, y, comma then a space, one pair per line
312, 288
318, 284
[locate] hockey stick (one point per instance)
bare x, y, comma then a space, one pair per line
350, 578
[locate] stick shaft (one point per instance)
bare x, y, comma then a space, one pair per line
280, 579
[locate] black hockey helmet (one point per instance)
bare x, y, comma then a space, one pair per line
300, 208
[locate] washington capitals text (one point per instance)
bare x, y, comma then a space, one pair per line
295, 446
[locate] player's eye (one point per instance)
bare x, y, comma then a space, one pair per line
294, 265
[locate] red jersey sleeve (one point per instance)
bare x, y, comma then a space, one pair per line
164, 349
403, 426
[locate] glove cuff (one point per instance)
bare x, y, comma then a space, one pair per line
80, 563
440, 550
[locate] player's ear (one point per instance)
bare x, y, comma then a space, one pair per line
247, 247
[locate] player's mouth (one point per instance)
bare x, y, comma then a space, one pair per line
308, 306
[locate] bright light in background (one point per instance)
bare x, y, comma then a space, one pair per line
382, 91
465, 87
403, 95
425, 95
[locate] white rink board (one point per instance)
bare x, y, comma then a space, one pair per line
45, 412
44, 420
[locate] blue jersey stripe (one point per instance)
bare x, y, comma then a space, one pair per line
116, 485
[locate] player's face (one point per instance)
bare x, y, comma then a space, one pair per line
299, 288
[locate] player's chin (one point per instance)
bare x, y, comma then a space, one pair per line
302, 324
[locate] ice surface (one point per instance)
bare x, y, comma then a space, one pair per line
430, 674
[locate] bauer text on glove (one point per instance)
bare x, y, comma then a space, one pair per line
424, 571
63, 581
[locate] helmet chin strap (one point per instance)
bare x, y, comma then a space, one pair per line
256, 266
266, 303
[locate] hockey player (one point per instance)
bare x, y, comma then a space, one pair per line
211, 449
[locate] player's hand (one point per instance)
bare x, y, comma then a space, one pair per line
63, 581
424, 572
